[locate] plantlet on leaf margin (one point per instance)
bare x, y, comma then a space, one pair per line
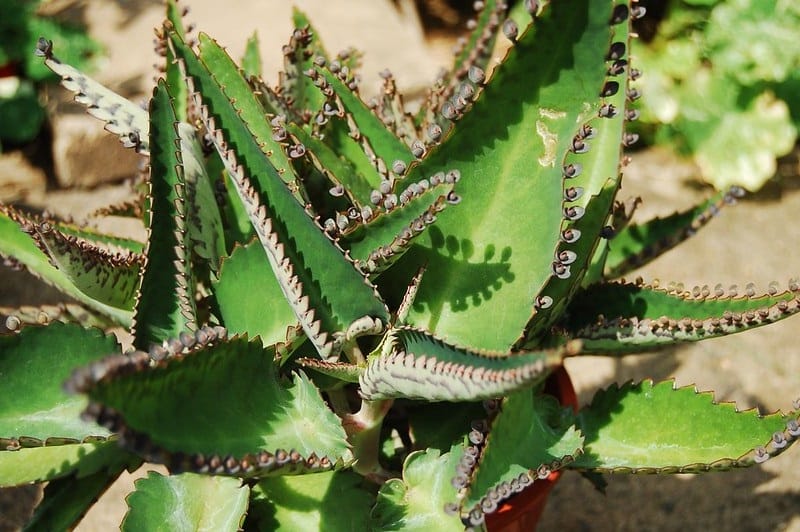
321, 274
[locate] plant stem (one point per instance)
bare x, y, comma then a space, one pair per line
363, 430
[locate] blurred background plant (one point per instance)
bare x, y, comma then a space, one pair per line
21, 75
722, 84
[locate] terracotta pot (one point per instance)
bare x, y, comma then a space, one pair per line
522, 511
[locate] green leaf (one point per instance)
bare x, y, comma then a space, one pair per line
355, 153
34, 365
220, 82
759, 133
655, 427
249, 298
295, 86
591, 179
417, 501
413, 364
754, 40
530, 437
340, 371
39, 464
174, 77
570, 265
64, 312
308, 264
530, 108
66, 500
638, 244
108, 277
103, 240
477, 50
174, 409
335, 500
251, 60
205, 230
442, 425
186, 502
668, 63
386, 145
237, 227
336, 168
166, 305
389, 232
618, 317
22, 249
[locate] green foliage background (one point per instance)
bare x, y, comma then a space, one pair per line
720, 83
21, 115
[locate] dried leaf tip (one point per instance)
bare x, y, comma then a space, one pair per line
44, 48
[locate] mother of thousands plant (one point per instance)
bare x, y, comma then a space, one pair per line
344, 313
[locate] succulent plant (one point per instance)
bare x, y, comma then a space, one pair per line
344, 314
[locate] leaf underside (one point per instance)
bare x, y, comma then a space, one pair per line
122, 117
413, 364
22, 249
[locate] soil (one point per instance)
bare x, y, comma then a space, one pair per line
752, 242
